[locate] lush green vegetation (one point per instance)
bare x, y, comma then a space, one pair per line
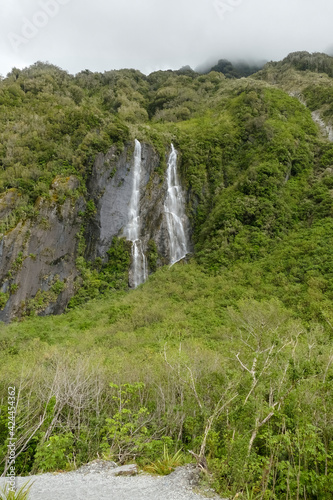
307, 76
229, 355
316, 62
183, 348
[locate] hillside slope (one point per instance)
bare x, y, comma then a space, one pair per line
228, 354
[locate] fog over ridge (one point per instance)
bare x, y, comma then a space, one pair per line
154, 34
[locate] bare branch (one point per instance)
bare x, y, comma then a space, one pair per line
217, 412
245, 367
330, 361
194, 388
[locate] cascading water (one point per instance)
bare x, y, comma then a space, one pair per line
174, 207
132, 231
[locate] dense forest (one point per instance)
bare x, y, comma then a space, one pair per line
228, 354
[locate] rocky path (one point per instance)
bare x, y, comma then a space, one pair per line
103, 481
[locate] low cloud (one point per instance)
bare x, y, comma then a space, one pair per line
155, 34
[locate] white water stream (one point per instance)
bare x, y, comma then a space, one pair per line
327, 130
132, 231
174, 207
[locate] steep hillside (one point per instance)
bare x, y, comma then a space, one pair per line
246, 153
309, 78
228, 352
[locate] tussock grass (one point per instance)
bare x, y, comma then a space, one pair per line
166, 464
22, 493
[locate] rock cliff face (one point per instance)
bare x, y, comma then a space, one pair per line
37, 257
111, 187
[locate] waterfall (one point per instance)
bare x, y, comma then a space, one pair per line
138, 270
174, 207
327, 130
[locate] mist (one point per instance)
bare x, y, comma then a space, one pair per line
154, 34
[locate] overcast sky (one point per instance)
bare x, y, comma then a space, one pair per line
100, 35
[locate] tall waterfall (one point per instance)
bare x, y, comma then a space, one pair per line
174, 207
138, 270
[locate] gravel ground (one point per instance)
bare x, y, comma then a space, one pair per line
100, 481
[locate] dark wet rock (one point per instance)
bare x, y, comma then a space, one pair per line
37, 257
110, 186
37, 260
